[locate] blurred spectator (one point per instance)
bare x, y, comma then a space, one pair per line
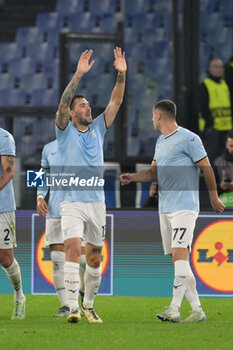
224, 172
152, 200
2, 3
229, 76
215, 110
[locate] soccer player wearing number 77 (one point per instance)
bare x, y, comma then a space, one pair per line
80, 144
178, 155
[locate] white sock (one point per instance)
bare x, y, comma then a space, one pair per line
92, 279
58, 261
180, 282
71, 275
82, 272
191, 292
14, 275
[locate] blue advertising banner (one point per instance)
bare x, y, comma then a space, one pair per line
42, 276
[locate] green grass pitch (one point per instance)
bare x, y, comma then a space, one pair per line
129, 323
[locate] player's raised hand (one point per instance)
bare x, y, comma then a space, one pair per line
125, 179
84, 64
120, 62
42, 207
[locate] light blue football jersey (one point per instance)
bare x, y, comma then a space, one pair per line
178, 178
82, 154
7, 148
50, 162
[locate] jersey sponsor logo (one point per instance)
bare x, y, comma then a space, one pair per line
212, 256
35, 178
44, 261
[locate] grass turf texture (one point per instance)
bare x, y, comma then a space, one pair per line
129, 323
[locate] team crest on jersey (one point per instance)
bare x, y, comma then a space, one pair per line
172, 145
212, 256
93, 132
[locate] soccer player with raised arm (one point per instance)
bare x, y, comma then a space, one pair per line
178, 155
7, 222
53, 235
80, 144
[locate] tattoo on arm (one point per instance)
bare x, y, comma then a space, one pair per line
8, 165
9, 169
11, 163
121, 78
97, 250
70, 91
11, 160
63, 111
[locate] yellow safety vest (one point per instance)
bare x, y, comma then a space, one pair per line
219, 105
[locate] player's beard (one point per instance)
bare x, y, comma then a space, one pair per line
85, 122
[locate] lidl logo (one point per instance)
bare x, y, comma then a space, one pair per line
35, 178
212, 256
44, 262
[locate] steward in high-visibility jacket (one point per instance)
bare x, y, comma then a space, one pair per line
215, 103
215, 110
229, 76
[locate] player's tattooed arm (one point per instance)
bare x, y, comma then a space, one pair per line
63, 113
8, 165
84, 65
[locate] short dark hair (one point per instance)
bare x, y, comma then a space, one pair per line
229, 135
168, 107
73, 100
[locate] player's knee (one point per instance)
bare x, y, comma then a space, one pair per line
6, 260
94, 257
72, 254
180, 254
94, 261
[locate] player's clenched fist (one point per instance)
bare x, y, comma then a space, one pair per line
125, 179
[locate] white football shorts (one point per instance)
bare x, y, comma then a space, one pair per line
84, 220
53, 233
177, 229
7, 230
